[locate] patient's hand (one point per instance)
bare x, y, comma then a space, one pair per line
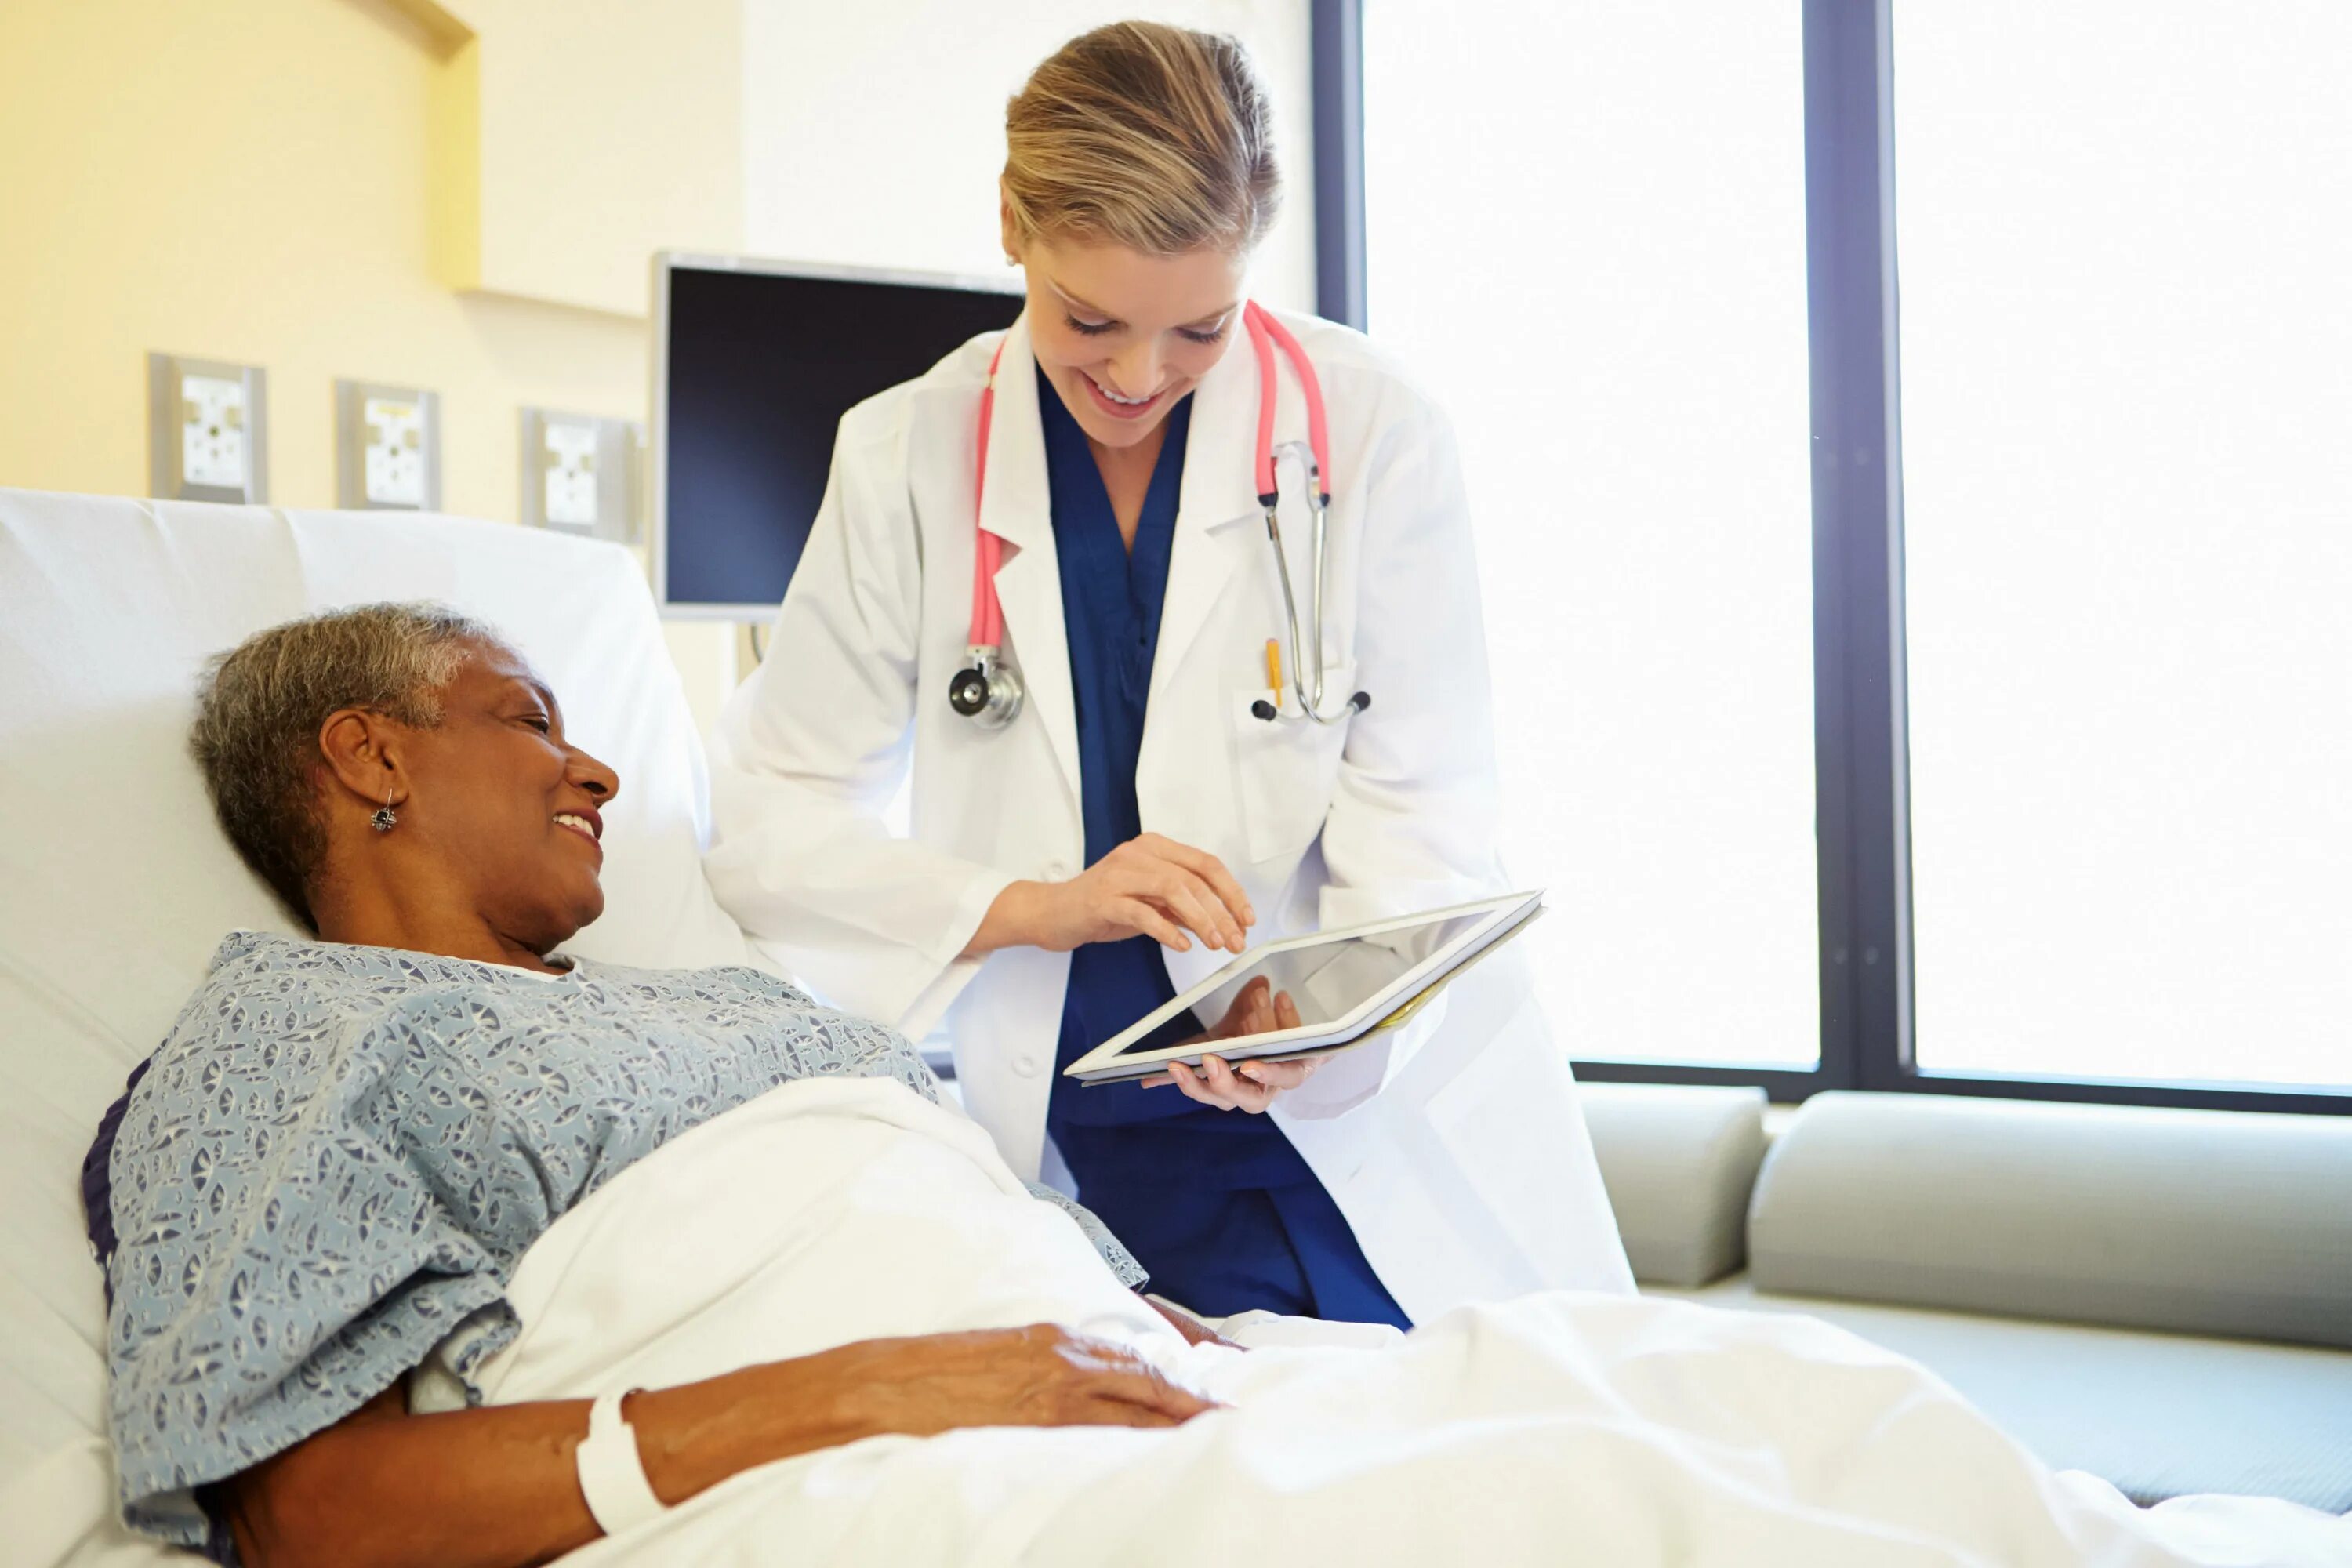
1259, 1009
1042, 1375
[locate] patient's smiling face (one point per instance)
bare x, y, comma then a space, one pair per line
499, 820
507, 804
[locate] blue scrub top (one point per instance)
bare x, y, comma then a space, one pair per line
1217, 1204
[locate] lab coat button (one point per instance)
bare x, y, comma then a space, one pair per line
1057, 869
1026, 1065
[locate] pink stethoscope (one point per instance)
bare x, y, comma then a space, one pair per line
987, 690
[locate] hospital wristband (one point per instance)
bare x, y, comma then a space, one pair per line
612, 1473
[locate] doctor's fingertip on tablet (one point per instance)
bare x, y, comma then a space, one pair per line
1113, 591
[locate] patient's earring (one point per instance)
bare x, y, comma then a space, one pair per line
384, 818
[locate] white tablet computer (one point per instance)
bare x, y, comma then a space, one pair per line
1346, 984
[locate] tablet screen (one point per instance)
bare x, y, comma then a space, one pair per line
1329, 980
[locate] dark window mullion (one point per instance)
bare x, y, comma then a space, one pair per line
1337, 49
1861, 820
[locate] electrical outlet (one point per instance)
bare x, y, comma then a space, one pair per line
212, 431
580, 474
568, 474
206, 422
387, 447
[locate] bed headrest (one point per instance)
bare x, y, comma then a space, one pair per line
115, 884
120, 884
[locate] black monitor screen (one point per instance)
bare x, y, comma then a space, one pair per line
759, 368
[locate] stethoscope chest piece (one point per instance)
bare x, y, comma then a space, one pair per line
987, 691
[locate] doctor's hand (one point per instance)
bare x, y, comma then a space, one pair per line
1251, 1088
1259, 1009
1148, 886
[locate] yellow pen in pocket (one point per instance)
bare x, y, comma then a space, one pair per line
1274, 668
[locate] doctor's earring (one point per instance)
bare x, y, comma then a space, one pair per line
385, 820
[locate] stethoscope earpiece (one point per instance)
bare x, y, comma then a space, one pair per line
1262, 708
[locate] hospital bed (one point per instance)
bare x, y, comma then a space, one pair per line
118, 885
115, 885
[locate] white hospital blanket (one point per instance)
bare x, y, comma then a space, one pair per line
1557, 1429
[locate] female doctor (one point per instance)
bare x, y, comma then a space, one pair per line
1047, 568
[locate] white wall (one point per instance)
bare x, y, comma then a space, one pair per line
873, 133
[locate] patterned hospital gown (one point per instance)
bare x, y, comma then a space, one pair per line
334, 1163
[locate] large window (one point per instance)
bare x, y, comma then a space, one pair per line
2125, 253
1956, 697
1547, 227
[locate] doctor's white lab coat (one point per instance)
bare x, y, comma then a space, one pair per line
1456, 1150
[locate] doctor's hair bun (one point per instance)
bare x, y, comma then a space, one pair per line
260, 708
1157, 138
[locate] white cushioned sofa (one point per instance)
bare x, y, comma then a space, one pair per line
2161, 1298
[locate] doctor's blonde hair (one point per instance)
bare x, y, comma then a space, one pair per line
1157, 138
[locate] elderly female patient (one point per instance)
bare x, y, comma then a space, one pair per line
334, 1162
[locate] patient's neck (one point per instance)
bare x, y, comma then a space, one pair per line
375, 912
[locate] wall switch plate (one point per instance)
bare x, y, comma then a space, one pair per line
582, 474
207, 424
387, 447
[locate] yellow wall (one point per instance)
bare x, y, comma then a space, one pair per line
607, 130
248, 180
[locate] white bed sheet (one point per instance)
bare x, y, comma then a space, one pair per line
1562, 1428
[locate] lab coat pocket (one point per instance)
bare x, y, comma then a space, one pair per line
1287, 767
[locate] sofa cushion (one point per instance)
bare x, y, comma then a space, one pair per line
2198, 1221
2160, 1416
1678, 1162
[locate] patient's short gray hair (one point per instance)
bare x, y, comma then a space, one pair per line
260, 705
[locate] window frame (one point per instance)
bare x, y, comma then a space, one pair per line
1861, 736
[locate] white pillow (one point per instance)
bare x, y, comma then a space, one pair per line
116, 885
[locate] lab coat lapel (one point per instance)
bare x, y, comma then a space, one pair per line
1220, 527
1017, 507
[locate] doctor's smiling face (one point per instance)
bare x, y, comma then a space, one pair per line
1139, 177
1124, 336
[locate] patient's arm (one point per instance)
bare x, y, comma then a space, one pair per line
1114, 1254
497, 1487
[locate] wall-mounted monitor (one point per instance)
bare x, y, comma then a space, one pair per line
754, 364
